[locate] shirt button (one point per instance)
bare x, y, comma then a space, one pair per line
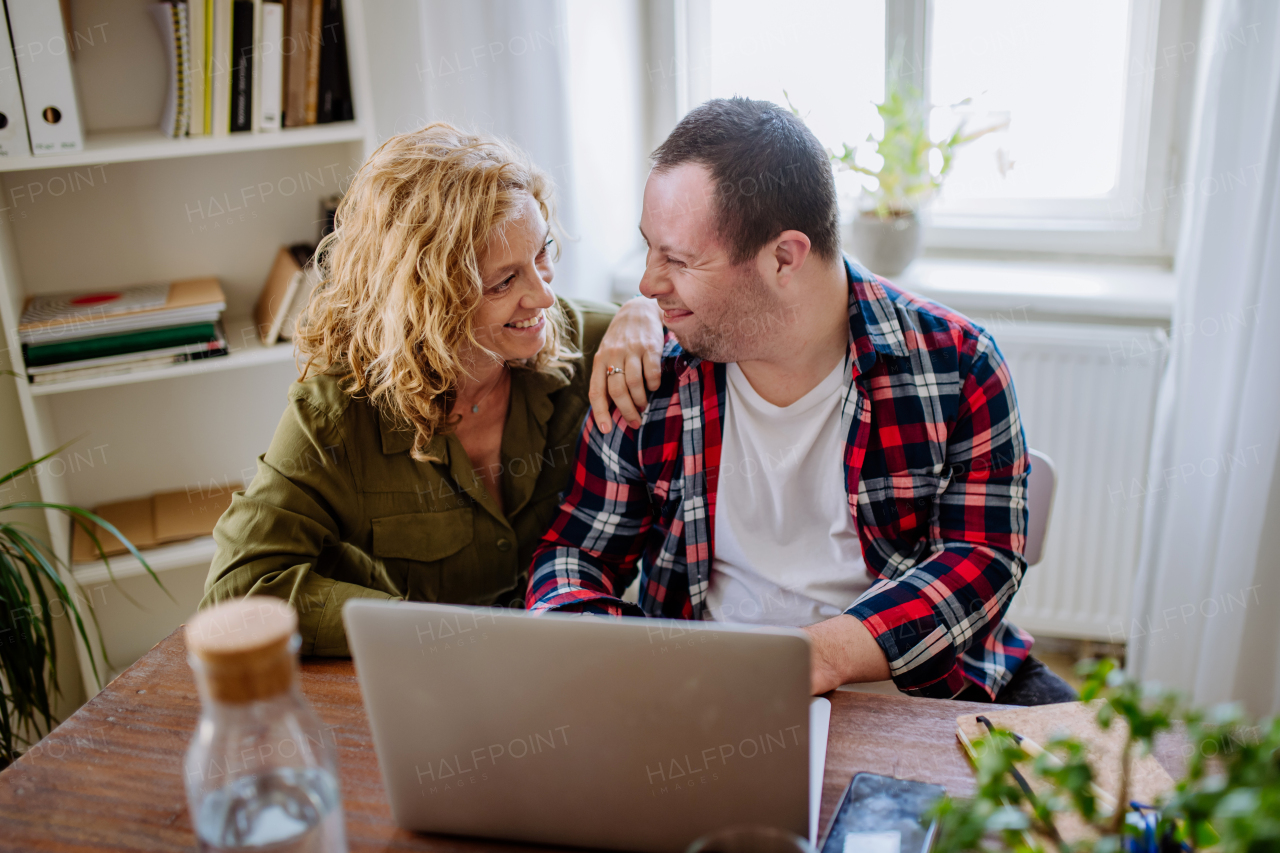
503, 544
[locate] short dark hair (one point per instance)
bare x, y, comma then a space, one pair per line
770, 172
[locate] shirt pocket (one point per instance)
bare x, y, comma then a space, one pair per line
416, 547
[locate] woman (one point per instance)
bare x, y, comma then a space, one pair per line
422, 454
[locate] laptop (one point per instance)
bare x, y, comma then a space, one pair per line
628, 734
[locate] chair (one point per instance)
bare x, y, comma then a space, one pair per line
1042, 482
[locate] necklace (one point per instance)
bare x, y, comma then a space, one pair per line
475, 407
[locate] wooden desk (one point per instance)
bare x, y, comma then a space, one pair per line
110, 777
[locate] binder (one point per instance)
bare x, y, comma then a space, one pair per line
171, 21
335, 81
242, 62
255, 79
44, 67
182, 33
270, 78
295, 46
220, 69
316, 20
208, 67
13, 121
196, 66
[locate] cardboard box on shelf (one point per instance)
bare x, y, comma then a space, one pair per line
152, 521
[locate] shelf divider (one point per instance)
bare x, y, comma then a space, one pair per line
176, 556
124, 146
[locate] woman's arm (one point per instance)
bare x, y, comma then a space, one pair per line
633, 343
282, 536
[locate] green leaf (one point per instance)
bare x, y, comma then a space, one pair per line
22, 469
30, 586
1108, 844
83, 514
1008, 817
1204, 836
1239, 802
904, 179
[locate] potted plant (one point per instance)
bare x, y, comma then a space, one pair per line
886, 232
29, 585
1229, 798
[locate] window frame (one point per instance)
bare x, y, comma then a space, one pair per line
1138, 220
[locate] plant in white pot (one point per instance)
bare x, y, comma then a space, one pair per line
886, 231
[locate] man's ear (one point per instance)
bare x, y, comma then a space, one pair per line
790, 250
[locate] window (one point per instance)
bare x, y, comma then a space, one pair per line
1086, 92
754, 54
1026, 69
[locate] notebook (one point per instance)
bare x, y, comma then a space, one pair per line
1148, 780
66, 316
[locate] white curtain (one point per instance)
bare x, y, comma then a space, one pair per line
499, 66
502, 66
563, 79
1207, 599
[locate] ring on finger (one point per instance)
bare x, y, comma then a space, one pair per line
612, 370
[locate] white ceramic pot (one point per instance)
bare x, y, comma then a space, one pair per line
886, 246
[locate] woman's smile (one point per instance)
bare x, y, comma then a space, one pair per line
529, 324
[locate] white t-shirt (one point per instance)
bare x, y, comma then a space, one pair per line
786, 544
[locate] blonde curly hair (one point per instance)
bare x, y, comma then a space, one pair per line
400, 274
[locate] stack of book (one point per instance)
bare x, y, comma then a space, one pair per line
253, 65
73, 336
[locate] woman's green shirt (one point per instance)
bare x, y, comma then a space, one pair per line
339, 510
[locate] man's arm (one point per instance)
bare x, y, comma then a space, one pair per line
588, 557
633, 344
924, 619
842, 651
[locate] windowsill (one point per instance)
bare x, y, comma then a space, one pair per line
1078, 289
1055, 289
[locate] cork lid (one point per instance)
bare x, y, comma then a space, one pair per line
246, 647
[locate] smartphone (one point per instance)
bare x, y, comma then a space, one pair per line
880, 814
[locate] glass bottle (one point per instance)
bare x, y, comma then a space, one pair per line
260, 770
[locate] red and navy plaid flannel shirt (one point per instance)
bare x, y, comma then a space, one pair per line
935, 469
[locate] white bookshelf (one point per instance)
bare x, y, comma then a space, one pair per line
132, 145
147, 213
176, 556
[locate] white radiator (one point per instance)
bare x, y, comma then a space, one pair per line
1087, 395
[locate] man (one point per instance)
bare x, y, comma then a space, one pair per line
823, 450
